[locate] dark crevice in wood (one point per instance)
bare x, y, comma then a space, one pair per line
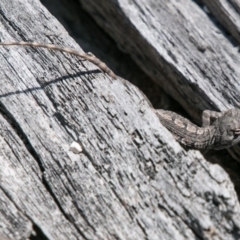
221, 28
66, 125
21, 134
10, 25
199, 3
142, 228
11, 120
69, 218
38, 234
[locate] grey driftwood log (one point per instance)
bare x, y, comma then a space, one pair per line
132, 180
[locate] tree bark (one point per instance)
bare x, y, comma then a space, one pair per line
131, 180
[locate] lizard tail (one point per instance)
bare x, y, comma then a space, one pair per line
89, 57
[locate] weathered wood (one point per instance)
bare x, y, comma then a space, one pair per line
132, 180
179, 47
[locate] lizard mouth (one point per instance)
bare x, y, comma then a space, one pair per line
236, 131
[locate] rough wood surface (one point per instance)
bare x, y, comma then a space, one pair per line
131, 181
227, 14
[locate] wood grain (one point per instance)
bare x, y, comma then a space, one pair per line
131, 181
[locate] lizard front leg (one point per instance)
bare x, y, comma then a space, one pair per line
209, 117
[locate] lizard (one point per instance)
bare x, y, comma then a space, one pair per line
224, 132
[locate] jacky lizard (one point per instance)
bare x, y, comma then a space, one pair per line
224, 132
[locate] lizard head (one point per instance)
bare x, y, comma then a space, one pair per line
228, 126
